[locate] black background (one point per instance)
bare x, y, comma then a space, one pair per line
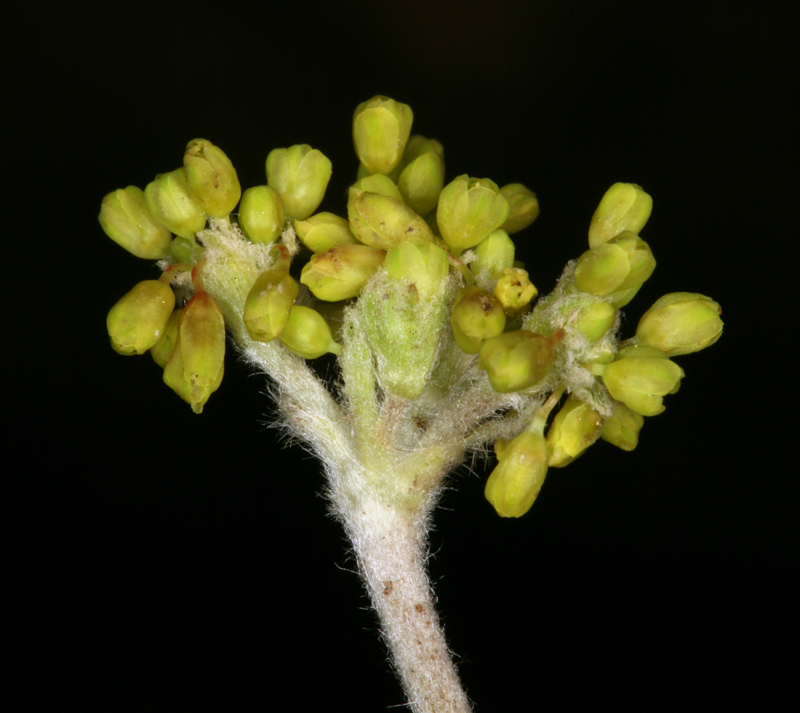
158, 556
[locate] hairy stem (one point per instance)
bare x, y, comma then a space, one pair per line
391, 547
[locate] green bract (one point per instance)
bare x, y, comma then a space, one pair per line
300, 175
680, 323
125, 219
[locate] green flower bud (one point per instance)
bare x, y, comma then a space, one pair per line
423, 264
523, 207
419, 145
137, 321
125, 219
516, 360
307, 334
211, 178
680, 323
621, 429
162, 349
476, 316
594, 320
640, 377
517, 479
300, 175
341, 272
575, 427
170, 202
618, 267
324, 231
494, 253
261, 214
374, 183
624, 207
195, 368
267, 306
380, 221
185, 250
515, 291
381, 127
469, 209
421, 182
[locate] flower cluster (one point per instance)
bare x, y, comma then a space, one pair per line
424, 273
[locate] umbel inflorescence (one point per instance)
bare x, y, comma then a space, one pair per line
443, 344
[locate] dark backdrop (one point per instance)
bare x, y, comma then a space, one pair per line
160, 556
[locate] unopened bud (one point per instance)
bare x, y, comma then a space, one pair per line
469, 209
594, 320
381, 127
380, 221
421, 182
640, 377
575, 427
195, 369
517, 360
323, 231
341, 272
307, 334
171, 203
266, 309
621, 429
211, 178
421, 263
494, 253
624, 207
261, 214
517, 479
680, 323
300, 175
139, 319
125, 219
523, 207
476, 316
162, 349
374, 183
515, 291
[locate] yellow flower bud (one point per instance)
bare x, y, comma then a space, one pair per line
171, 203
324, 231
374, 183
680, 323
139, 319
267, 306
469, 209
419, 145
423, 264
494, 253
624, 207
517, 360
162, 349
381, 127
517, 479
380, 221
195, 368
211, 178
307, 334
523, 207
640, 377
594, 320
515, 291
261, 214
125, 219
300, 175
621, 429
575, 427
421, 182
341, 272
476, 316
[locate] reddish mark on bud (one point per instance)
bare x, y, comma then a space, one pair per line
418, 608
